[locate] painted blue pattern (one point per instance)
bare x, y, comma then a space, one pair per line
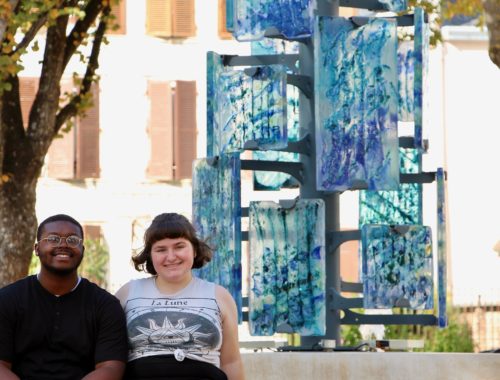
217, 219
276, 180
356, 104
230, 15
290, 18
244, 108
287, 268
394, 5
441, 249
397, 266
421, 58
403, 206
413, 59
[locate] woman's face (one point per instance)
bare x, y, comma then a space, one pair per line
173, 259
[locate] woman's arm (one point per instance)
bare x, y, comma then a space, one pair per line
230, 358
5, 372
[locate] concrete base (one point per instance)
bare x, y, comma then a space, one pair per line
370, 365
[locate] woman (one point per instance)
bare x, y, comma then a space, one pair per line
179, 326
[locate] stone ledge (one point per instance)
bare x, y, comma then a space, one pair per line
371, 365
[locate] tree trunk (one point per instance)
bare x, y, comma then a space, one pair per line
17, 229
492, 12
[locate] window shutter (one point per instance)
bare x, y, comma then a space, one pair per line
159, 18
184, 128
92, 232
160, 131
183, 18
223, 32
61, 160
61, 154
27, 92
120, 12
87, 149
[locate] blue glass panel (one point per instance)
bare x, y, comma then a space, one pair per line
287, 268
276, 180
290, 18
217, 219
214, 69
421, 58
274, 46
406, 83
403, 206
356, 105
394, 5
397, 266
229, 15
245, 108
441, 250
412, 70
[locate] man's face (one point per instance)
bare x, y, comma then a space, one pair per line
60, 256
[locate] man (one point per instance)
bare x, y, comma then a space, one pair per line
56, 325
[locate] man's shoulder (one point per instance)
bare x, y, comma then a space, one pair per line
16, 286
97, 292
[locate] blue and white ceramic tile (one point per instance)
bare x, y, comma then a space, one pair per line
441, 250
397, 266
245, 108
217, 219
287, 268
403, 206
357, 104
290, 18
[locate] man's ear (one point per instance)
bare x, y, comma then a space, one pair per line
36, 249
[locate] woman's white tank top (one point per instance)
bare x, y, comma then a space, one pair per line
187, 324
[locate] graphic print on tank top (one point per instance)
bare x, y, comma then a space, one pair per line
159, 326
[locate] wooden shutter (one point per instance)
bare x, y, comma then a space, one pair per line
184, 128
119, 12
28, 88
160, 131
183, 18
92, 232
61, 154
87, 149
223, 32
159, 18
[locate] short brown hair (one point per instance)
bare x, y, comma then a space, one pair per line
170, 225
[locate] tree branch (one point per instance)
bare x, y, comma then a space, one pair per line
77, 34
28, 37
71, 108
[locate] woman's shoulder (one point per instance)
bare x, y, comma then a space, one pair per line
123, 292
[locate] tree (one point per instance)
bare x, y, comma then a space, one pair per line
487, 12
22, 150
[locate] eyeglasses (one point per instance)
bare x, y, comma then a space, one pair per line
55, 240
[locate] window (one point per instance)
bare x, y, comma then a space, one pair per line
75, 154
172, 129
120, 16
223, 32
28, 88
170, 18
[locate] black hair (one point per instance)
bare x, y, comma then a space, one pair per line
58, 218
172, 226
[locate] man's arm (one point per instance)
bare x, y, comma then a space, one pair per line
5, 372
108, 370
